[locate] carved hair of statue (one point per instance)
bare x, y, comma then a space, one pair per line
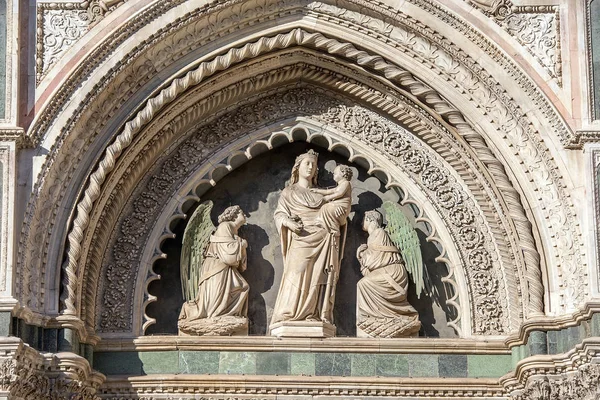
230, 214
346, 171
296, 167
374, 216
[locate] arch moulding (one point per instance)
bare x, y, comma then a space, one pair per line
489, 125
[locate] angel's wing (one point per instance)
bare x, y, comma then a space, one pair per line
195, 239
405, 238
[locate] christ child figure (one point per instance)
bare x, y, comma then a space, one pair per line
338, 199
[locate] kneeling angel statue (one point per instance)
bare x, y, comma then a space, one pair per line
381, 296
211, 267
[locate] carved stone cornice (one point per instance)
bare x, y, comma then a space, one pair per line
215, 386
587, 136
29, 375
335, 344
17, 135
574, 375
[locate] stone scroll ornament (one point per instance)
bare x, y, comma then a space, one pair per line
381, 299
211, 280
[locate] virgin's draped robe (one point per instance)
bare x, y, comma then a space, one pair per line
381, 293
222, 290
305, 256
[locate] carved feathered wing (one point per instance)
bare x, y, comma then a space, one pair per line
406, 240
195, 240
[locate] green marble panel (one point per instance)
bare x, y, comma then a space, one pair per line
199, 362
364, 365
573, 337
302, 364
420, 365
392, 365
595, 323
332, 364
118, 363
273, 363
537, 343
5, 316
159, 362
552, 337
488, 366
453, 365
237, 363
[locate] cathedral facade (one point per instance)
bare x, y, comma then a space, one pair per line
300, 199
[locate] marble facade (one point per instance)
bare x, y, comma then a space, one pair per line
479, 118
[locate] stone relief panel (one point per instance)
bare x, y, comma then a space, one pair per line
59, 191
539, 32
536, 28
461, 212
581, 384
258, 197
61, 25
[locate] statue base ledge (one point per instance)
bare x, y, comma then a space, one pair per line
316, 329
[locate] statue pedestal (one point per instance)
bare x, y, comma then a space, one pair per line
317, 329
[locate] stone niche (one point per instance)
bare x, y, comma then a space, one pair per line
256, 186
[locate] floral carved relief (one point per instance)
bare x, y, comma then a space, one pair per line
424, 168
582, 384
539, 34
61, 29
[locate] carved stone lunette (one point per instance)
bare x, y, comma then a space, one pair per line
539, 153
359, 123
472, 138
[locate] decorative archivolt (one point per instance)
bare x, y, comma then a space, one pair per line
421, 44
413, 119
403, 79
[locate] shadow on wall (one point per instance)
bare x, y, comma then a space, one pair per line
256, 186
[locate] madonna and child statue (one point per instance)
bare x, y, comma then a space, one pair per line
312, 227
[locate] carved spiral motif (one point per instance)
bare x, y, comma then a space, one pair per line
480, 259
449, 197
490, 313
470, 237
415, 161
433, 178
461, 217
375, 132
356, 121
484, 283
394, 144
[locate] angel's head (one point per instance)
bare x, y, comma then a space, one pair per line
305, 167
233, 214
372, 217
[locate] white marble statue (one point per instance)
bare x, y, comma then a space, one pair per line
382, 307
312, 238
219, 305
